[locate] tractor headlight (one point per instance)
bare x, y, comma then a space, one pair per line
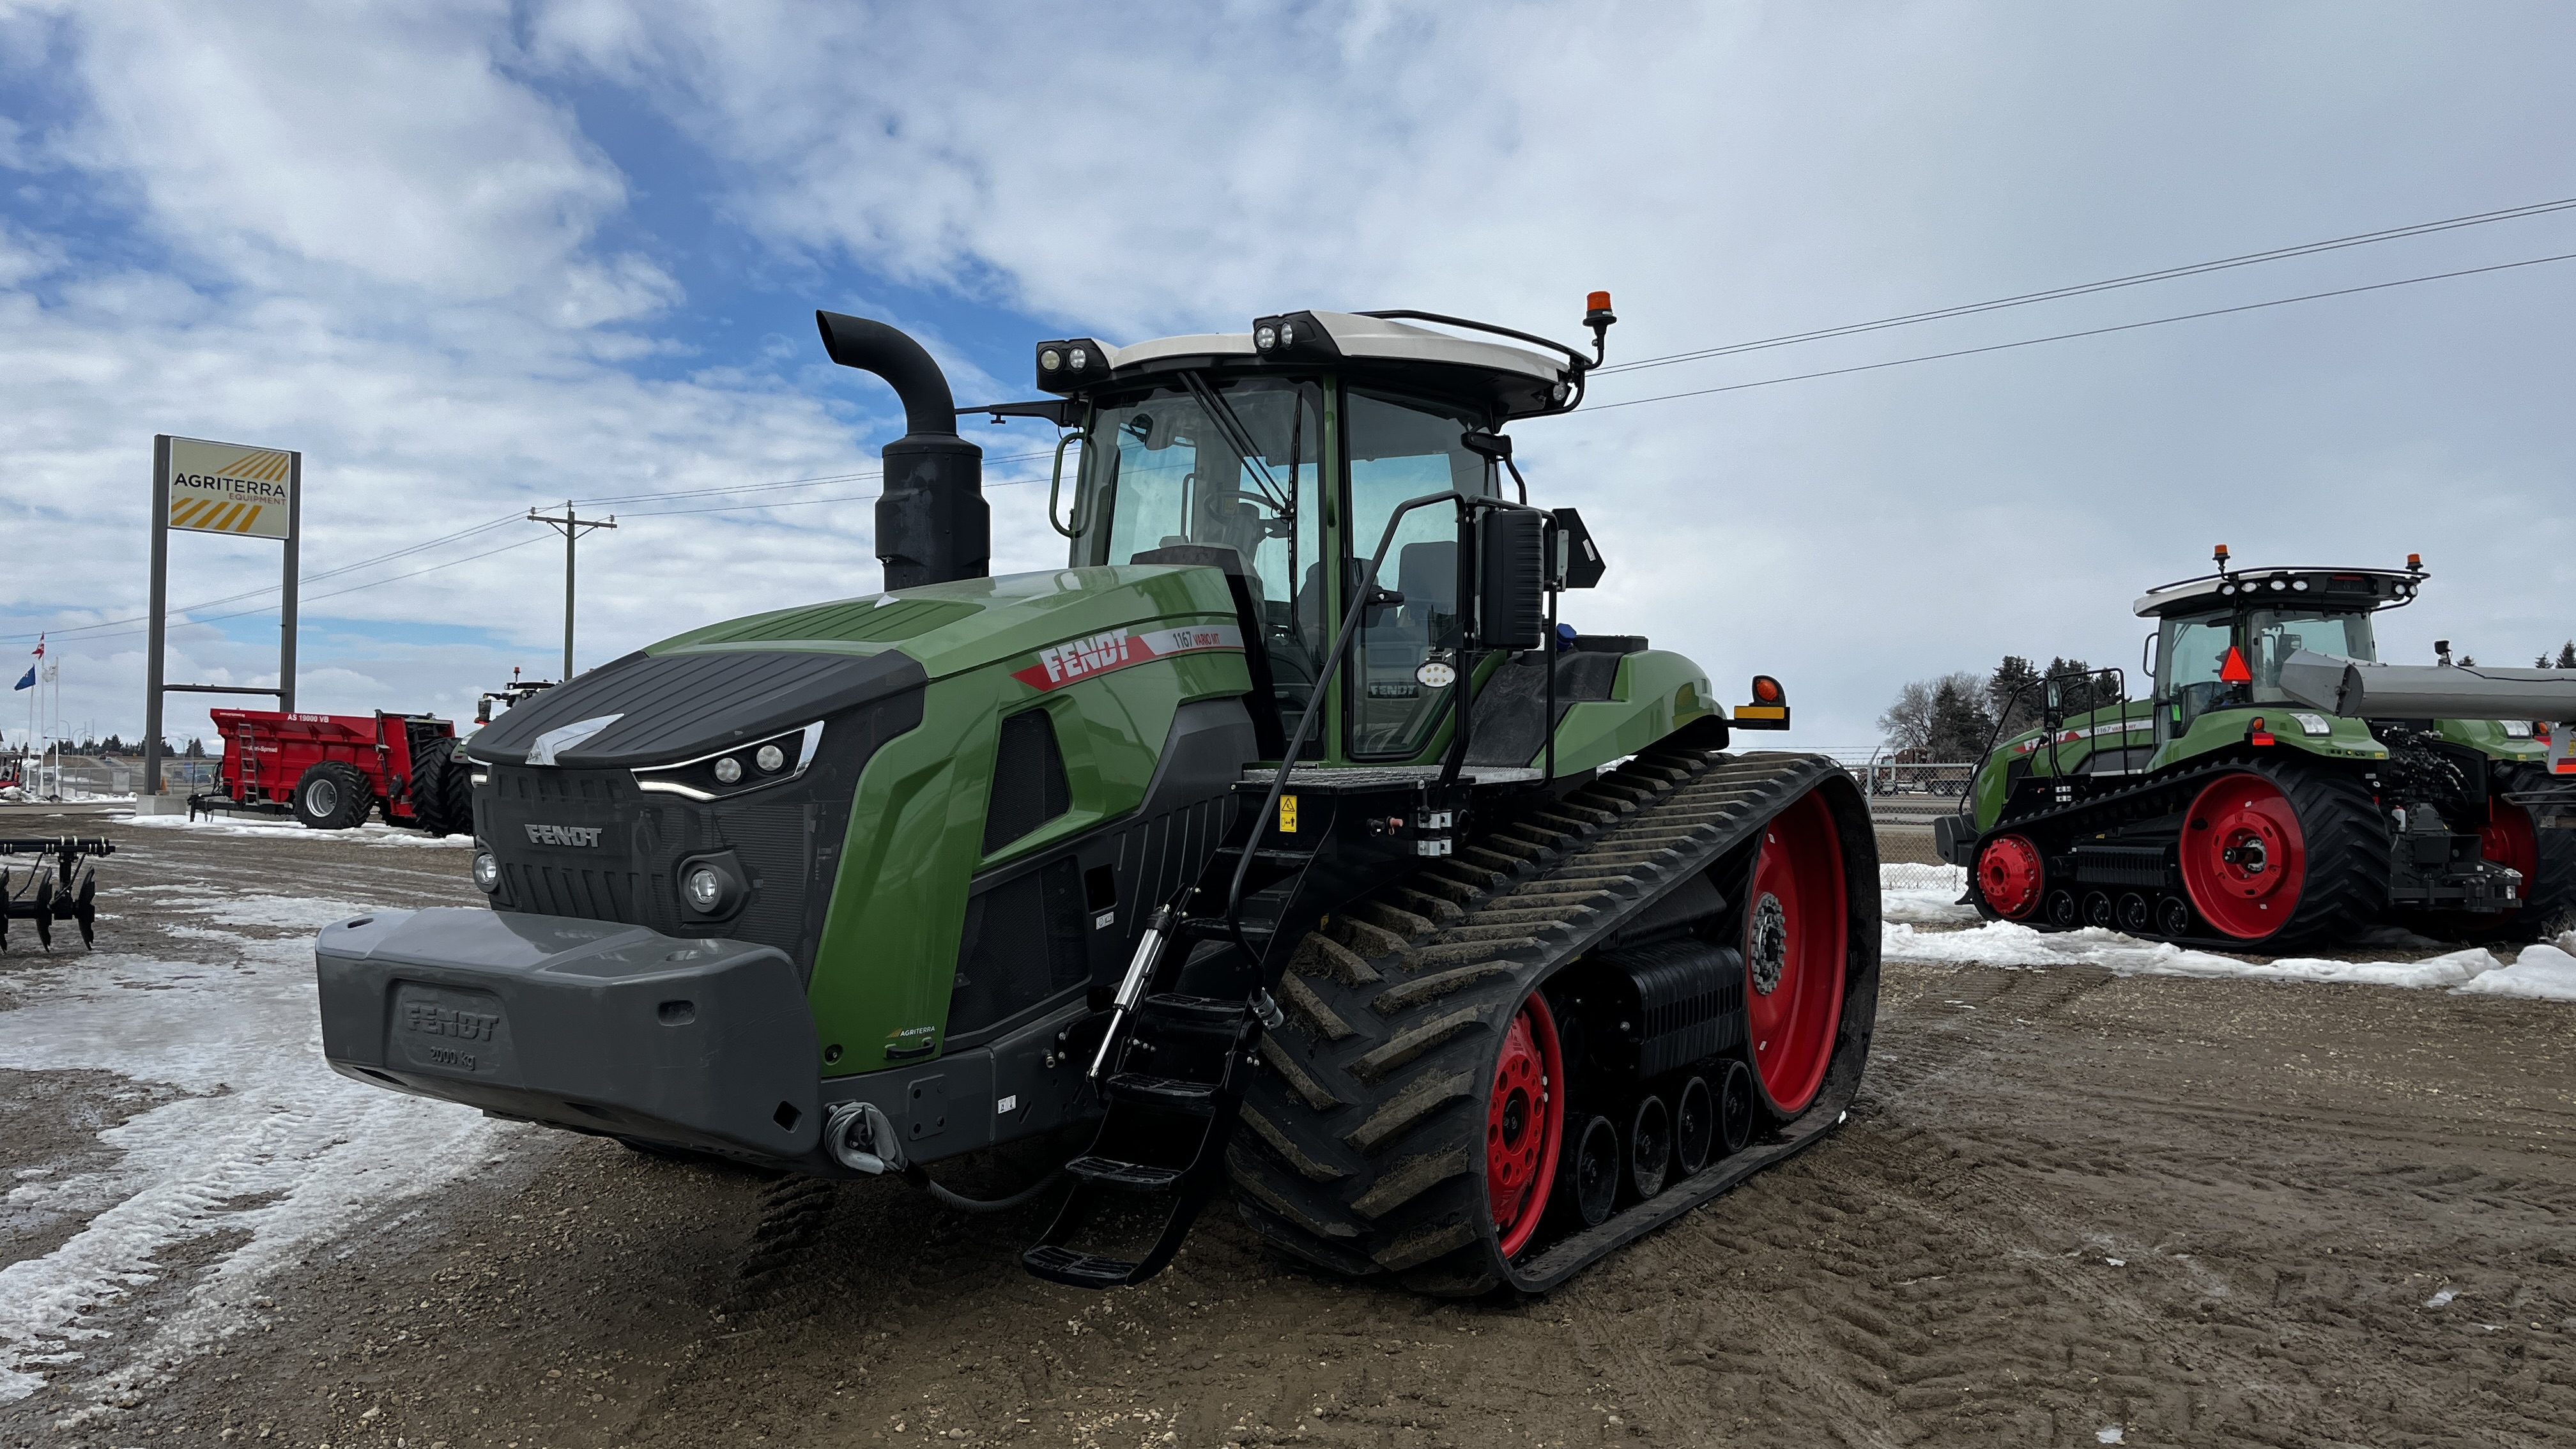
771, 759
487, 872
713, 885
1266, 338
728, 770
2300, 585
705, 890
2315, 724
2278, 586
1050, 359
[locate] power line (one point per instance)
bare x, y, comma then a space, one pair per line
2137, 279
2087, 332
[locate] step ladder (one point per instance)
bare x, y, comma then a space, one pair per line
1172, 1067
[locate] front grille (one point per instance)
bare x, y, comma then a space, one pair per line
631, 874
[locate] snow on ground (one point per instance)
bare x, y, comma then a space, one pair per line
2545, 971
280, 827
1917, 896
270, 1143
1923, 893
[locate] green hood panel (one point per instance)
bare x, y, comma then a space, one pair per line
955, 627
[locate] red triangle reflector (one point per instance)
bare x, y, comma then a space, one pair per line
2233, 670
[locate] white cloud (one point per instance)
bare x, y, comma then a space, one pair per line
396, 247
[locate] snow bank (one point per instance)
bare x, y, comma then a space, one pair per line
1924, 893
1913, 896
270, 1142
280, 827
2006, 943
2545, 972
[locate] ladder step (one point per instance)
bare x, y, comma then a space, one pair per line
1268, 855
1075, 1269
1130, 1176
1163, 1092
1205, 1012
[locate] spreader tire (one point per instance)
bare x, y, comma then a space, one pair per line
434, 769
333, 796
2285, 853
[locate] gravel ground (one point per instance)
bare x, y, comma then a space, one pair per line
2069, 1208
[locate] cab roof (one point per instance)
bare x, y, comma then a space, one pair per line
1511, 381
2320, 587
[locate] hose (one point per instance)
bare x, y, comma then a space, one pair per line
921, 1179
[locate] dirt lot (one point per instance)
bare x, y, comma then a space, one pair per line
2069, 1208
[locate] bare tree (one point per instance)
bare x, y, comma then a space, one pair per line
1939, 714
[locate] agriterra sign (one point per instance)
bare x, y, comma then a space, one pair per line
230, 488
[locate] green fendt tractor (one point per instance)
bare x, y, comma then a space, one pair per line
1513, 965
2280, 788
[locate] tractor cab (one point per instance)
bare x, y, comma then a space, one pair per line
1281, 456
2220, 641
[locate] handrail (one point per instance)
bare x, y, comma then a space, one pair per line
2049, 721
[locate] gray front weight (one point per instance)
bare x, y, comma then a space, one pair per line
590, 1025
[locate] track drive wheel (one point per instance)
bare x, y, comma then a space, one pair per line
2009, 876
1794, 946
333, 796
2285, 853
2546, 858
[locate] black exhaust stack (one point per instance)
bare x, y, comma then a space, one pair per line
932, 522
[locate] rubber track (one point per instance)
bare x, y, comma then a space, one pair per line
1362, 1145
2348, 850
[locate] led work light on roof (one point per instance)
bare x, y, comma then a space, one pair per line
2299, 585
1266, 339
1050, 359
1081, 358
2278, 585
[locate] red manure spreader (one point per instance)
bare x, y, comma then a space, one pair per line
332, 770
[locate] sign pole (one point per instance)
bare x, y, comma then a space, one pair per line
286, 619
160, 606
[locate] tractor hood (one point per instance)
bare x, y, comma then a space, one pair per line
747, 679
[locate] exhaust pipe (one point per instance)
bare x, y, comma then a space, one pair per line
933, 524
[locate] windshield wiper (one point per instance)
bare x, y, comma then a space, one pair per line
1238, 436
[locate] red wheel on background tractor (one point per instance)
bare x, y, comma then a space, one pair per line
2244, 856
1795, 938
1524, 1124
2009, 876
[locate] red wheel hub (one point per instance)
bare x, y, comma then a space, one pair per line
2008, 872
1795, 937
1524, 1124
2244, 857
2507, 839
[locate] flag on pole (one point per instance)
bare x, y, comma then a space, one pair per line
27, 683
40, 645
53, 673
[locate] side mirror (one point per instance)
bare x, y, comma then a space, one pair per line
1511, 579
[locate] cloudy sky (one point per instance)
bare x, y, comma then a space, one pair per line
473, 257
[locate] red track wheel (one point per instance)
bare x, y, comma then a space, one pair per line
2244, 856
1524, 1124
2008, 875
1795, 938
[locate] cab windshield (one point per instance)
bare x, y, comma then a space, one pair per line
2192, 656
1228, 464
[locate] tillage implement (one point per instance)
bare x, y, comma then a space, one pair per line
1282, 840
2279, 788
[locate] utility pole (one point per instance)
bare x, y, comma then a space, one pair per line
573, 528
